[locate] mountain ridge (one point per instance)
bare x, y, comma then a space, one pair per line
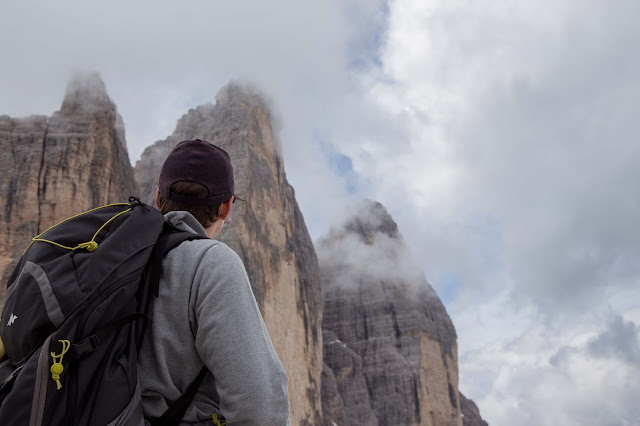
77, 159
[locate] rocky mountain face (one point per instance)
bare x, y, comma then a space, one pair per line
55, 167
390, 349
385, 353
267, 231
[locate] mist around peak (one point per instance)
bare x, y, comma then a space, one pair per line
86, 91
367, 248
247, 92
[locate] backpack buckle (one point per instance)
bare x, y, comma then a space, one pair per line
85, 346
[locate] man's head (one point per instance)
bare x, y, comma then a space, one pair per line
197, 177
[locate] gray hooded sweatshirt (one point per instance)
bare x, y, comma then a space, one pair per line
206, 313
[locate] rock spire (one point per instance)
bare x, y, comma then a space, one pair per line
267, 231
389, 343
53, 168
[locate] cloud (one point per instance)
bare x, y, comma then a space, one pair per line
367, 248
517, 176
620, 340
514, 123
174, 55
158, 59
550, 376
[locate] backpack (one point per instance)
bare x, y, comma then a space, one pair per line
76, 308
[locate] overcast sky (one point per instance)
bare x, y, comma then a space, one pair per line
503, 137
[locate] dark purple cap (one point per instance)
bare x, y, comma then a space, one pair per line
202, 162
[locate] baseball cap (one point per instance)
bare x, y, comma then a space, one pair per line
201, 162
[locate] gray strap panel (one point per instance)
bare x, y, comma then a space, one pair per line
132, 413
50, 301
40, 386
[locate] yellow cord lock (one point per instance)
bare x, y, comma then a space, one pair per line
91, 246
56, 368
216, 420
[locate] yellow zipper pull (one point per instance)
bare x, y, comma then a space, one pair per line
56, 368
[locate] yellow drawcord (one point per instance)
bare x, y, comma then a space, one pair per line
216, 421
56, 368
89, 245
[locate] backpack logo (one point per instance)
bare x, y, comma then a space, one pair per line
12, 319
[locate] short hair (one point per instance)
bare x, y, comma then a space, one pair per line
206, 215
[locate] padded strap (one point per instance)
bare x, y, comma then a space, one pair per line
170, 238
174, 414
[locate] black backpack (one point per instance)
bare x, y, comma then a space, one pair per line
76, 307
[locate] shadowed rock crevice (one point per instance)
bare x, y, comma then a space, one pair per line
348, 395
42, 188
333, 406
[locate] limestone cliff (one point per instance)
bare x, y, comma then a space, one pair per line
345, 394
267, 231
390, 343
52, 168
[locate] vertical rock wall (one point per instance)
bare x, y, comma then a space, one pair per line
267, 231
21, 144
389, 341
53, 168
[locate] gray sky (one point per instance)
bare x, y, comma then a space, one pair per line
502, 136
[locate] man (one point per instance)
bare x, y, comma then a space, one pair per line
206, 312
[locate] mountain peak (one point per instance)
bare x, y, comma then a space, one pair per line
238, 92
86, 90
370, 218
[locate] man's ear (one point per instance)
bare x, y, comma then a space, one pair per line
158, 199
225, 208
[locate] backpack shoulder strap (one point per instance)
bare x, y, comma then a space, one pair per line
170, 238
175, 412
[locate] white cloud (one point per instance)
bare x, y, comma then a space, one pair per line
366, 248
159, 59
555, 375
519, 177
